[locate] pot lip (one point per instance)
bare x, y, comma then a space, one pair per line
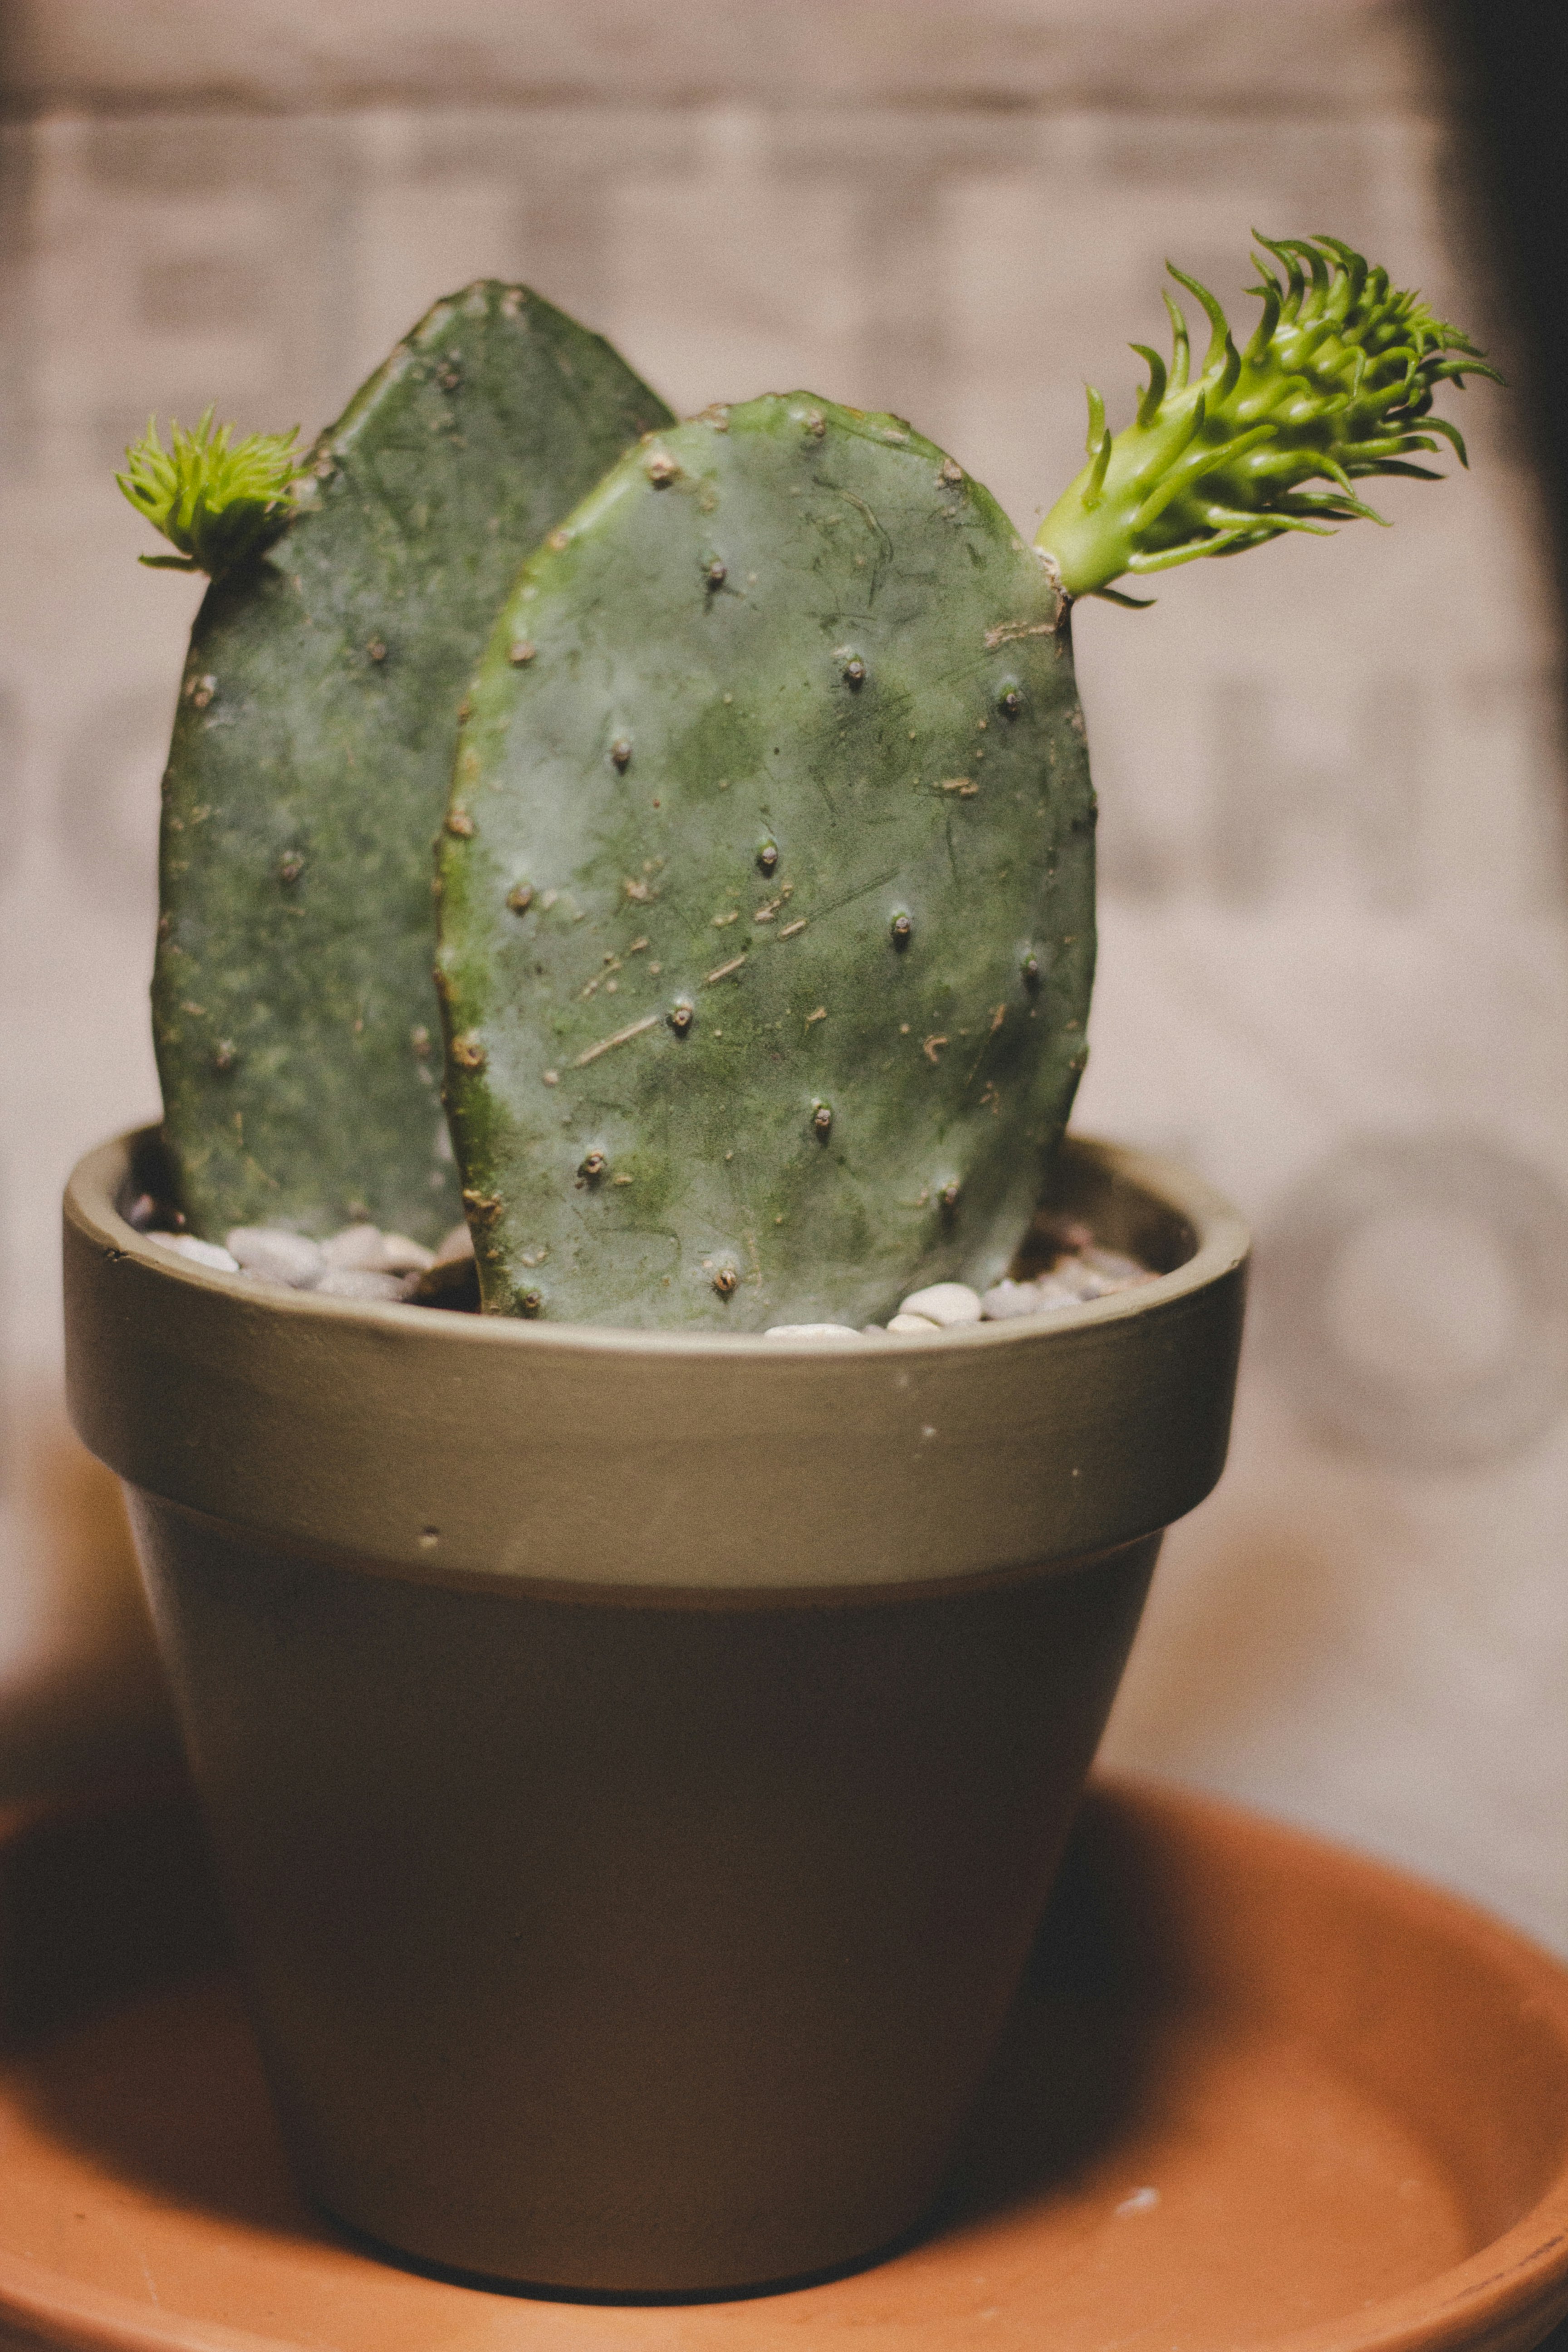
1222, 1236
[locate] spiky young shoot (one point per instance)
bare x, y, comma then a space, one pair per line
218, 504
1336, 383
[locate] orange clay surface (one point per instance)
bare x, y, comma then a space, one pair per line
1257, 2092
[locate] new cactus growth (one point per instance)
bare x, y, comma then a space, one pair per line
767, 891
1335, 385
219, 505
297, 1029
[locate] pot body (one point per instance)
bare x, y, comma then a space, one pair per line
649, 1947
636, 1766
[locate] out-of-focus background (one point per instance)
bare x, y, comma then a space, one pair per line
1335, 906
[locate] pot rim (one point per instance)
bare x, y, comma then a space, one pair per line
1222, 1243
457, 1448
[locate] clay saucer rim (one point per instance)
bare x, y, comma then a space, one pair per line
1508, 2296
1483, 2299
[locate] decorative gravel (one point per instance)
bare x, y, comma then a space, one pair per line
361, 1262
1083, 1270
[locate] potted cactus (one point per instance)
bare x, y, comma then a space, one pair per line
636, 1723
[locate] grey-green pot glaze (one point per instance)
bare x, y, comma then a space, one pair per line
635, 1762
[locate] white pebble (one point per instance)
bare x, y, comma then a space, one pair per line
358, 1282
811, 1331
290, 1258
1098, 1273
945, 1304
1116, 1263
361, 1246
902, 1322
199, 1253
400, 1256
1081, 1281
459, 1244
1006, 1300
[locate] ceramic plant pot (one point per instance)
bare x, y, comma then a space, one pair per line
635, 1762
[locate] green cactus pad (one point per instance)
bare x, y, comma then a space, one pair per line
767, 886
297, 1029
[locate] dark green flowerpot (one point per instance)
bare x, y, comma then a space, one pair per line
636, 1762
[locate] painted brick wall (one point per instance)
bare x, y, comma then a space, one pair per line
1336, 943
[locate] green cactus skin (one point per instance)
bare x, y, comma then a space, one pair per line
297, 1029
766, 915
1337, 383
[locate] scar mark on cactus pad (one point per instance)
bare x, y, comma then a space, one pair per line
724, 971
878, 882
621, 1037
998, 1015
931, 1048
884, 544
790, 929
1007, 633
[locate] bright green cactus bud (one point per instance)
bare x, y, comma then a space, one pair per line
219, 506
1337, 383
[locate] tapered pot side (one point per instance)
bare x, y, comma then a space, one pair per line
635, 1763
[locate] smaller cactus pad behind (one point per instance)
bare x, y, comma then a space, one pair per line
296, 1027
766, 915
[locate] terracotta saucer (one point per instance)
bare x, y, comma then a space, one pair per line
1258, 2092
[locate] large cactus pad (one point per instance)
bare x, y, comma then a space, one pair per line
767, 914
297, 1029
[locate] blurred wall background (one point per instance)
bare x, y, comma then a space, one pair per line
1335, 930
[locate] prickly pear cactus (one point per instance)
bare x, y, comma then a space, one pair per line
296, 1026
766, 919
